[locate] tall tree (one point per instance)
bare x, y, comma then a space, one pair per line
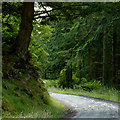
23, 38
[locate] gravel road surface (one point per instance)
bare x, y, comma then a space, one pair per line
86, 107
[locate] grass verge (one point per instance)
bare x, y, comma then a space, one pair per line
102, 92
54, 110
17, 103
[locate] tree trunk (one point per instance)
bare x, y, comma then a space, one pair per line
90, 64
115, 77
69, 77
103, 70
69, 74
23, 38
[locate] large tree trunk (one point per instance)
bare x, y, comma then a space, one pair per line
23, 38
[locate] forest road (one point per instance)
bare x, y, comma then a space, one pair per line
86, 107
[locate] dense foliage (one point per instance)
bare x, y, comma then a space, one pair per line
74, 45
84, 43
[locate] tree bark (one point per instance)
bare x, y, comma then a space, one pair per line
23, 38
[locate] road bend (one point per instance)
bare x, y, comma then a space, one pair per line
86, 107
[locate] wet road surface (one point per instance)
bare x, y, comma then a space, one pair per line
88, 107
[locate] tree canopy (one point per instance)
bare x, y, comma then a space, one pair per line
79, 38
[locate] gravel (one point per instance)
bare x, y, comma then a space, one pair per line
88, 107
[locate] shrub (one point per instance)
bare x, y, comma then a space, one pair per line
75, 79
88, 86
51, 83
77, 86
62, 79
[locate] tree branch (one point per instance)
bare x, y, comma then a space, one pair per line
59, 8
45, 9
50, 16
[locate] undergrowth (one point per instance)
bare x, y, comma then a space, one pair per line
86, 88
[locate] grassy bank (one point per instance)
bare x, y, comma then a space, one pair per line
24, 94
17, 104
102, 92
52, 110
